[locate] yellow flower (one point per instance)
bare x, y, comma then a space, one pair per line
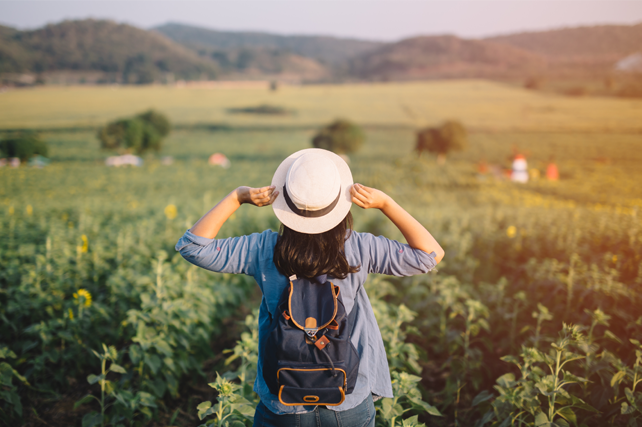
11, 210
511, 231
171, 211
85, 294
71, 314
29, 210
85, 244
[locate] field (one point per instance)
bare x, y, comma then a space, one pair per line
480, 104
532, 318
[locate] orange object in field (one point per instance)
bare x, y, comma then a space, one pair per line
552, 174
218, 159
482, 167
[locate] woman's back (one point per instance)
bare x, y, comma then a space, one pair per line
252, 255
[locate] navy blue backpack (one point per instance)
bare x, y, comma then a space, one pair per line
308, 358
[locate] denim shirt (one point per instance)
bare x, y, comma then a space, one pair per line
253, 255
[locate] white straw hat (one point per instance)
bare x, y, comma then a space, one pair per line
314, 191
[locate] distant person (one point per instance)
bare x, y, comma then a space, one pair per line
311, 194
519, 172
552, 174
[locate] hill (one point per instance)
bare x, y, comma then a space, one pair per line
14, 57
594, 48
261, 63
120, 51
326, 50
444, 57
596, 41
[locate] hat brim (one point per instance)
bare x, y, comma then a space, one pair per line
325, 222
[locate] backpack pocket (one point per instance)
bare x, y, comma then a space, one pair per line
292, 396
312, 386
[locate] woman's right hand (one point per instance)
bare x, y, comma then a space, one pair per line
368, 197
416, 234
263, 196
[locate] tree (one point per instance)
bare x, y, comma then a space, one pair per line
341, 137
158, 121
139, 69
137, 134
441, 140
23, 145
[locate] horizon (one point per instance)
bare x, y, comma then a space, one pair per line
275, 33
315, 18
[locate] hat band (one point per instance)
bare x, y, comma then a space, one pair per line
306, 213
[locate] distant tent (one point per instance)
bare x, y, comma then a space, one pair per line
39, 161
218, 159
124, 160
630, 64
14, 162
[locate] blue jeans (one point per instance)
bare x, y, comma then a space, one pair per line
362, 415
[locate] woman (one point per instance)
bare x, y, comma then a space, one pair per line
311, 194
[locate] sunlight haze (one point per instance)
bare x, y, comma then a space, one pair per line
377, 20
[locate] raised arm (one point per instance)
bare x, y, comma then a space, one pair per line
210, 224
416, 234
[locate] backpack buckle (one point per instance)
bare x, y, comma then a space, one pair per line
311, 332
322, 342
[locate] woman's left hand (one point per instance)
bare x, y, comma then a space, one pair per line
263, 196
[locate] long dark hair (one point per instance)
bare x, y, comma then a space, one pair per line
312, 255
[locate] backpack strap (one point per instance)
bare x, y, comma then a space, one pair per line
352, 317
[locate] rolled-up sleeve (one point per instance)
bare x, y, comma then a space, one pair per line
238, 255
385, 256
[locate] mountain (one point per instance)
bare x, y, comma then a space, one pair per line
592, 48
112, 52
326, 50
126, 53
592, 41
260, 62
444, 57
13, 56
567, 52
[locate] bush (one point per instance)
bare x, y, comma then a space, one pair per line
441, 140
137, 134
23, 145
264, 109
341, 137
158, 121
534, 83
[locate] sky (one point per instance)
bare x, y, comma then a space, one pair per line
367, 19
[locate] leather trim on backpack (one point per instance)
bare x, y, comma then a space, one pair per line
335, 295
343, 398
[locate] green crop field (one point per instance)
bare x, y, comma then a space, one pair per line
532, 319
